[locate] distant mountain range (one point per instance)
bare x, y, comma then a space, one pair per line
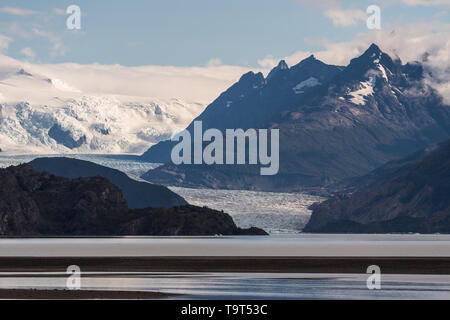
335, 123
40, 114
409, 197
138, 194
41, 204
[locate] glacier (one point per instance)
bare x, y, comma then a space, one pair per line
39, 114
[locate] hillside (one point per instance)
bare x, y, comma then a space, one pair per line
41, 204
138, 194
412, 198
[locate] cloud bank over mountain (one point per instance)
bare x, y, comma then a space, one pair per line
428, 43
199, 84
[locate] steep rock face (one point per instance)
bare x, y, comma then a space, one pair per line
41, 204
32, 203
186, 221
412, 198
138, 194
253, 101
334, 122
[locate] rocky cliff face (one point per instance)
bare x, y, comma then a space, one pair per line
334, 122
412, 198
41, 204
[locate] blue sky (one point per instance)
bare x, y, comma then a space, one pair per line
192, 33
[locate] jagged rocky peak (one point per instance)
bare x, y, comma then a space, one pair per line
251, 77
311, 58
282, 65
372, 65
248, 82
374, 57
373, 49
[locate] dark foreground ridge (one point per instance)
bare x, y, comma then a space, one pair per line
138, 194
41, 204
412, 198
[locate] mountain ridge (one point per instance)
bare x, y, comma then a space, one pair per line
343, 123
412, 197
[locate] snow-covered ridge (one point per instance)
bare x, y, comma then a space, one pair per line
308, 83
365, 89
45, 115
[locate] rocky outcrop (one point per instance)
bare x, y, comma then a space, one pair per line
41, 204
138, 194
412, 198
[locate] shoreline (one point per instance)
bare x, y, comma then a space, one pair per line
388, 265
62, 294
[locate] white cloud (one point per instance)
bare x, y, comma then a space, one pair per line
319, 4
16, 28
4, 42
345, 18
17, 11
428, 3
268, 62
214, 62
59, 11
192, 84
28, 52
408, 41
334, 10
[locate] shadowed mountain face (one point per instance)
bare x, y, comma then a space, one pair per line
334, 122
41, 204
138, 194
412, 198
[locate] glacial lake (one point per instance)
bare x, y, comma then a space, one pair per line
273, 212
283, 214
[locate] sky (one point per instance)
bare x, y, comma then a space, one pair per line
192, 33
214, 40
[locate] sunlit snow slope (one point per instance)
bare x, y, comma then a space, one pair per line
43, 114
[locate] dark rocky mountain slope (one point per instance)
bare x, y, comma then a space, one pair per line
138, 194
335, 123
412, 198
41, 204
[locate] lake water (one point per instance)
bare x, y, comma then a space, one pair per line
294, 245
205, 285
284, 214
251, 286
